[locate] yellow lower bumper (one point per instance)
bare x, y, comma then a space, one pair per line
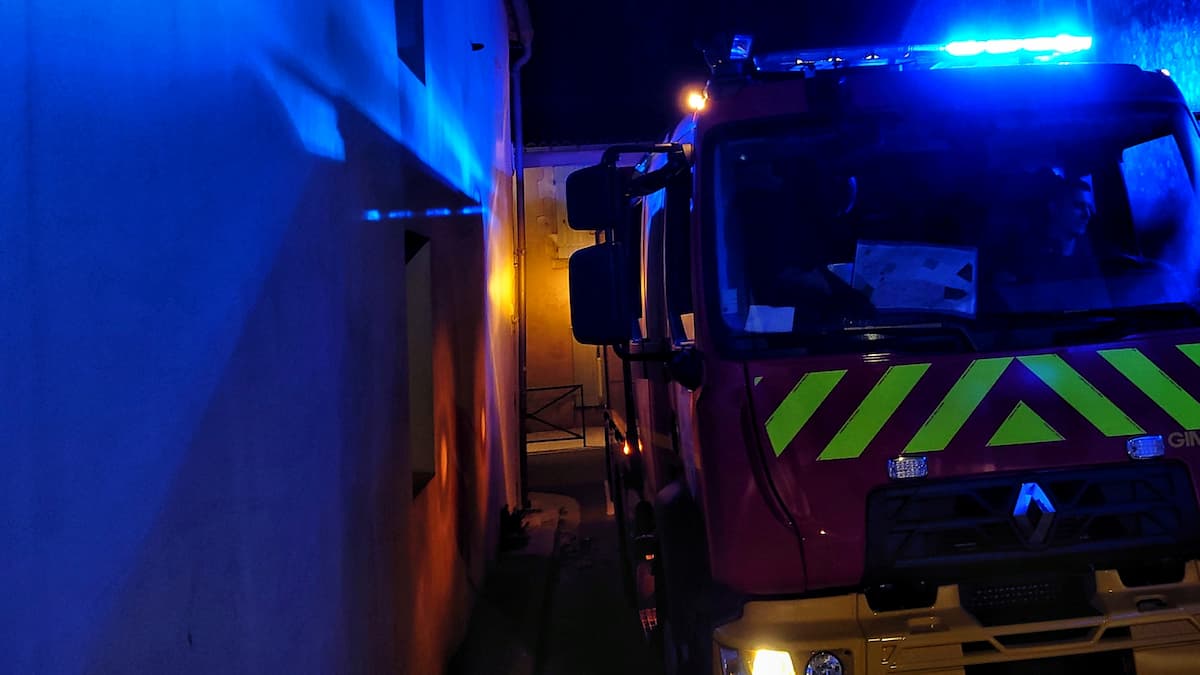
1163, 636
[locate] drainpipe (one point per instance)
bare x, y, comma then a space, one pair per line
524, 28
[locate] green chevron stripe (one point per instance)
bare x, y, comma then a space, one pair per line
874, 411
1192, 351
1081, 395
962, 400
794, 412
1156, 384
1023, 427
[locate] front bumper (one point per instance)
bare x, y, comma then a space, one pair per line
1158, 627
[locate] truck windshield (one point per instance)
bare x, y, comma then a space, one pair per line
983, 221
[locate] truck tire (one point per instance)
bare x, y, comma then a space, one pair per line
682, 583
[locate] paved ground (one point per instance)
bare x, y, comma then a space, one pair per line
592, 627
557, 605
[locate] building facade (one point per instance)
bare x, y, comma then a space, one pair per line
228, 229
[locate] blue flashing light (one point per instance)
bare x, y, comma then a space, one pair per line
1058, 44
471, 210
740, 49
902, 468
372, 215
400, 215
1145, 447
437, 212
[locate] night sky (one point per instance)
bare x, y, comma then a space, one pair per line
613, 71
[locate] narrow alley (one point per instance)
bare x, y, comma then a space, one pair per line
557, 605
326, 323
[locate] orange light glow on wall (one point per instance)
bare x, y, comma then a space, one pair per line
501, 288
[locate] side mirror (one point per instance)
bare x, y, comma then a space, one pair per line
601, 310
597, 195
594, 197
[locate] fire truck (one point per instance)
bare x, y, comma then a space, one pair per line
904, 356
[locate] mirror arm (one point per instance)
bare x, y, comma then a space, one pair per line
657, 179
678, 157
612, 153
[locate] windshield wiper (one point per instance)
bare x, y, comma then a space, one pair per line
925, 336
1165, 310
1177, 314
1077, 326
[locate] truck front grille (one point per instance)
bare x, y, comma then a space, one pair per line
970, 531
1047, 597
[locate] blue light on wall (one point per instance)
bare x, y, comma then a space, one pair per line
173, 175
313, 115
1160, 40
374, 215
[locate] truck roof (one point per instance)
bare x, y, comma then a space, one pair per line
963, 89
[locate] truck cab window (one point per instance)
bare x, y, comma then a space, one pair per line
981, 219
1160, 195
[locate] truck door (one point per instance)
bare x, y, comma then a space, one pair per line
684, 584
667, 317
680, 322
650, 377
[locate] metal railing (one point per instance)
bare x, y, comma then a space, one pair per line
572, 392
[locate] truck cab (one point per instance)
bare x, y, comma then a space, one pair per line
907, 352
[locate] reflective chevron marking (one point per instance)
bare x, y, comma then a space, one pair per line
1081, 395
874, 411
799, 405
1156, 384
964, 397
1022, 426
1192, 351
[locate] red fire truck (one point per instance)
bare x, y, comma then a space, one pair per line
904, 351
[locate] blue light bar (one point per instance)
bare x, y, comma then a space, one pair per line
907, 56
1058, 44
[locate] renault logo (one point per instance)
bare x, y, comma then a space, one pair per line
1034, 513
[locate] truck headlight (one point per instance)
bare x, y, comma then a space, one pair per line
771, 662
823, 663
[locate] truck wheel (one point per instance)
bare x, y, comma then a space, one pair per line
670, 653
675, 644
682, 574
